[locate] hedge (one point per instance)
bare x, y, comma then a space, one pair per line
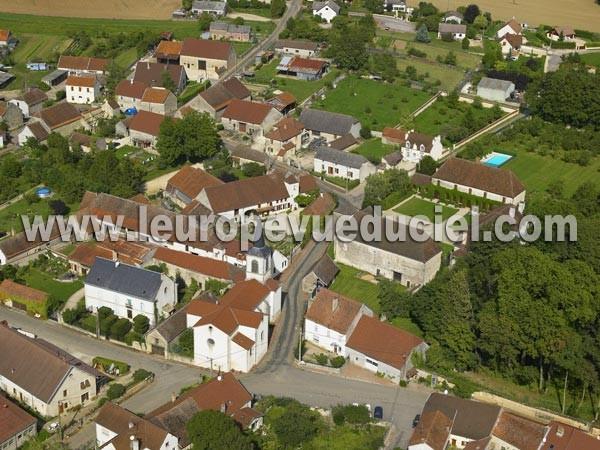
592, 44
106, 363
562, 44
120, 328
455, 196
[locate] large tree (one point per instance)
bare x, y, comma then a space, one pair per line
471, 13
213, 430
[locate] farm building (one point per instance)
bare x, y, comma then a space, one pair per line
495, 90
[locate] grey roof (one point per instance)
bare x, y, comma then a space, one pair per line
209, 6
327, 122
247, 153
125, 279
452, 28
339, 157
317, 6
259, 248
54, 75
229, 27
393, 159
326, 270
174, 325
301, 45
344, 142
453, 14
493, 83
5, 77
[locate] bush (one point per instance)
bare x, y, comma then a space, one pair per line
338, 361
106, 323
403, 383
115, 391
355, 414
321, 359
102, 401
104, 311
69, 316
120, 328
141, 324
562, 45
416, 52
60, 95
365, 132
89, 324
141, 375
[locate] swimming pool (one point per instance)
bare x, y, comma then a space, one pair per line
497, 159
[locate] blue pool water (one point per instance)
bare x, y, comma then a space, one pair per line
43, 192
497, 160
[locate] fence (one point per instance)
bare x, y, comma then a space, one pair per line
485, 129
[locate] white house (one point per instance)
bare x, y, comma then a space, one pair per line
30, 102
331, 319
34, 129
453, 16
418, 145
233, 334
327, 10
510, 27
304, 49
82, 90
480, 180
495, 90
129, 291
214, 8
511, 44
558, 33
336, 163
41, 376
458, 31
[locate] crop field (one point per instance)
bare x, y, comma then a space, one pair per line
122, 9
581, 14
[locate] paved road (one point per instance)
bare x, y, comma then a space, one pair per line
394, 24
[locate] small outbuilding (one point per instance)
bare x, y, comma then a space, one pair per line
495, 90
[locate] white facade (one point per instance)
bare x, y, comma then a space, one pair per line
25, 134
495, 94
83, 94
374, 365
128, 306
456, 36
342, 171
103, 435
413, 152
26, 110
520, 198
506, 29
326, 13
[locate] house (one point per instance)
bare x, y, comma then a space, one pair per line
418, 145
186, 185
330, 320
19, 249
396, 6
118, 429
432, 432
329, 125
327, 10
471, 420
233, 334
457, 31
82, 90
495, 90
129, 291
216, 98
335, 163
561, 34
512, 431
161, 339
128, 252
16, 295
206, 60
255, 119
392, 160
566, 437
152, 74
33, 130
511, 44
325, 270
284, 102
222, 393
285, 136
453, 17
62, 118
305, 49
344, 143
158, 100
383, 348
405, 260
229, 31
242, 154
168, 52
510, 27
6, 38
214, 8
129, 93
78, 65
111, 108
302, 68
144, 129
321, 206
257, 196
30, 102
16, 425
11, 115
43, 377
480, 180
55, 77
393, 136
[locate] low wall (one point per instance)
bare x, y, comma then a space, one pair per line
319, 368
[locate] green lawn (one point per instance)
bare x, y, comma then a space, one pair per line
349, 284
44, 282
10, 217
192, 89
374, 150
447, 76
419, 207
464, 60
374, 103
593, 59
126, 58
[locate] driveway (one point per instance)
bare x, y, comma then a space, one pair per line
398, 25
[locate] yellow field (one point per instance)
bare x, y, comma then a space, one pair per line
111, 9
580, 14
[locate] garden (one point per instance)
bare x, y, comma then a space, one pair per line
420, 207
374, 150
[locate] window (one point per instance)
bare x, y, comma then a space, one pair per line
372, 362
65, 393
254, 266
210, 342
129, 314
201, 64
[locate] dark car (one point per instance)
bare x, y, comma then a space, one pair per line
416, 420
378, 412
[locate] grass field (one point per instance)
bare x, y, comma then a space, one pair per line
419, 207
10, 217
373, 150
447, 76
374, 103
44, 282
349, 284
464, 60
593, 59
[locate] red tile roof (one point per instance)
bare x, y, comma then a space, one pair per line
333, 310
307, 65
199, 264
190, 181
131, 88
11, 290
394, 135
243, 341
4, 35
433, 430
81, 81
322, 205
202, 48
59, 115
247, 111
565, 437
170, 49
246, 295
229, 319
286, 129
519, 432
83, 63
147, 122
13, 420
383, 342
86, 253
156, 95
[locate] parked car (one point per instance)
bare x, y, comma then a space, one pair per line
378, 413
416, 420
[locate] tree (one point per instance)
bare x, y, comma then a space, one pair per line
115, 391
253, 169
450, 58
115, 74
297, 425
58, 207
204, 21
277, 8
373, 6
384, 65
427, 165
11, 167
141, 324
187, 4
167, 81
480, 22
379, 186
348, 49
465, 43
213, 430
239, 20
471, 13
422, 34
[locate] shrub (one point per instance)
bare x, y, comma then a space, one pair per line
321, 359
120, 328
412, 51
141, 375
89, 324
365, 132
403, 383
69, 316
338, 361
107, 322
355, 414
562, 45
104, 311
102, 401
61, 95
141, 324
115, 391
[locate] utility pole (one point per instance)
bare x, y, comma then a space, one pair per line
300, 345
97, 324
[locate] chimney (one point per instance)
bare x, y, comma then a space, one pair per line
131, 425
560, 431
131, 81
335, 303
173, 396
135, 443
148, 65
223, 407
